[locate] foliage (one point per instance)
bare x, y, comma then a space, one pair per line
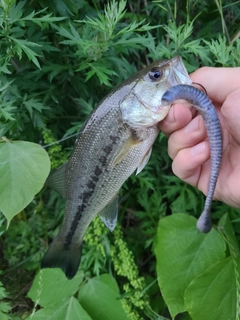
199, 269
4, 306
58, 59
21, 161
102, 291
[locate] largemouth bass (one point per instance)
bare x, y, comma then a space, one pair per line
206, 109
116, 140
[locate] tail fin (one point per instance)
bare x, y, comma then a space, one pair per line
61, 256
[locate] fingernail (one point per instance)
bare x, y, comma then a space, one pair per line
192, 126
170, 118
198, 149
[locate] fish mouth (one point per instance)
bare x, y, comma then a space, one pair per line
152, 109
152, 115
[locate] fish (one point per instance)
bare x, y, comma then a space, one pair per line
115, 141
203, 104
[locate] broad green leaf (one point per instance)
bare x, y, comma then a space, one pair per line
24, 167
51, 285
3, 316
99, 296
226, 229
213, 294
67, 309
183, 253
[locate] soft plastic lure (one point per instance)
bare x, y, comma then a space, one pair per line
206, 109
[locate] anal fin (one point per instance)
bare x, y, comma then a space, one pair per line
109, 214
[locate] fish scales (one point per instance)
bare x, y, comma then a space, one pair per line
115, 140
100, 180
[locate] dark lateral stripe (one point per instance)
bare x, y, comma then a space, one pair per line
80, 209
68, 238
91, 185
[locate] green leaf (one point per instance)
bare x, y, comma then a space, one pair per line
221, 50
67, 309
74, 36
99, 296
16, 11
4, 306
51, 285
4, 316
101, 72
114, 12
47, 18
6, 111
213, 294
24, 167
183, 253
226, 229
178, 34
23, 45
34, 104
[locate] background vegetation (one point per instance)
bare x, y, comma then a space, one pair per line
57, 60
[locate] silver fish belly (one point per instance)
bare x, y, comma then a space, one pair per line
206, 109
116, 140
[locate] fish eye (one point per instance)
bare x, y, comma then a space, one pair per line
155, 74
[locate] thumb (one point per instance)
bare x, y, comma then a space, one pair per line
231, 113
219, 82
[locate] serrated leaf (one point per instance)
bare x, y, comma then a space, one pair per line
213, 294
23, 45
65, 8
51, 285
67, 309
101, 72
5, 86
24, 167
74, 36
34, 104
16, 12
6, 111
189, 253
99, 296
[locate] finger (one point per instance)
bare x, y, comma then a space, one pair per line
219, 82
193, 133
188, 163
178, 116
231, 114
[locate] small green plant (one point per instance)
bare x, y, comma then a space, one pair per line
4, 306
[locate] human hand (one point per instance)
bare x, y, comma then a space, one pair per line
188, 145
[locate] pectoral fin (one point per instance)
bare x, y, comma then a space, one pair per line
144, 161
125, 148
109, 214
56, 180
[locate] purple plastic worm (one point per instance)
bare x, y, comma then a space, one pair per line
206, 109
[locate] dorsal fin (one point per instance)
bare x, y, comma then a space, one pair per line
56, 180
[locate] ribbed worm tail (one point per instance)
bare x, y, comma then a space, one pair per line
206, 109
